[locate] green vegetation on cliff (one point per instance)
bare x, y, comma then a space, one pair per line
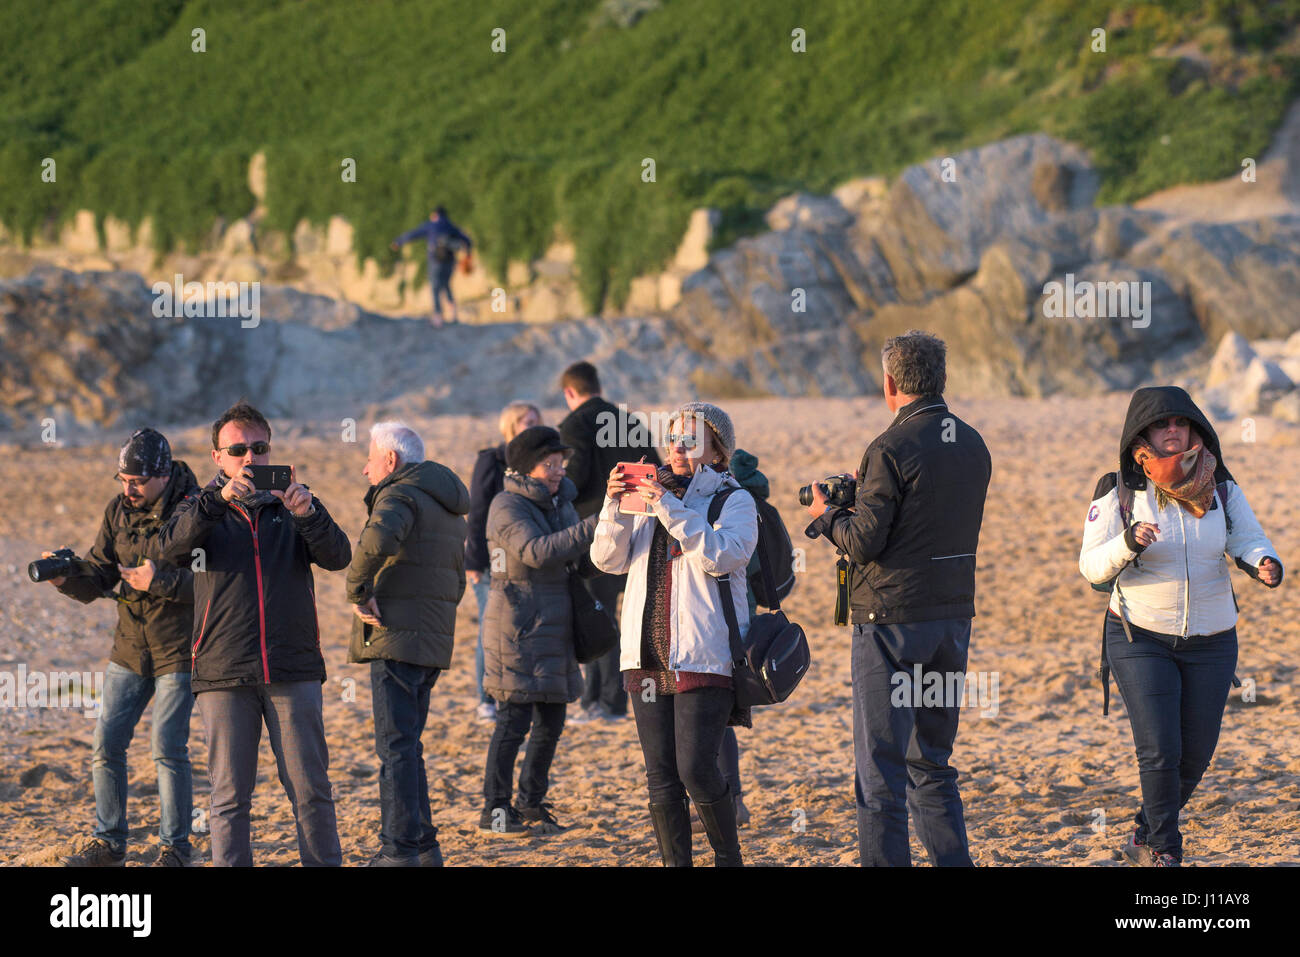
554, 131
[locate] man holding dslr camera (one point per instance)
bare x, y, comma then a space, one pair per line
256, 654
150, 658
910, 540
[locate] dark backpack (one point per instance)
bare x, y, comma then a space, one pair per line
774, 548
445, 247
1125, 495
771, 658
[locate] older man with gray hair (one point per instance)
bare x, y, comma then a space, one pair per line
910, 540
406, 578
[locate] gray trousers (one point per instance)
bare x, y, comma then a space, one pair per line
232, 718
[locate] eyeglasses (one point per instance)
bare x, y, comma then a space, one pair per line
239, 449
689, 441
132, 482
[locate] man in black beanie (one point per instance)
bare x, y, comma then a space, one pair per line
151, 654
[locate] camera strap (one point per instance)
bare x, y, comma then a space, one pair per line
842, 591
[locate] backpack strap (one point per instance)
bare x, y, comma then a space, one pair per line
764, 566
1222, 489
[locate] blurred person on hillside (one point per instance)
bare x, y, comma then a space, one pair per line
443, 240
601, 435
487, 480
675, 648
1155, 537
530, 668
151, 655
256, 643
910, 540
406, 578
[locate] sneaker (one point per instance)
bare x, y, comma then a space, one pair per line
541, 819
503, 822
1166, 860
583, 716
99, 854
486, 711
383, 860
1137, 852
432, 857
169, 856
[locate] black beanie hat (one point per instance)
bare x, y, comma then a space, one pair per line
146, 454
531, 446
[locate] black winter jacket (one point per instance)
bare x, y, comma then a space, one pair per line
255, 601
153, 627
912, 535
600, 440
488, 479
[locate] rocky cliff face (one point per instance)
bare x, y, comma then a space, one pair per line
973, 250
999, 250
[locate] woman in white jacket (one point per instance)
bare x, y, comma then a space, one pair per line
675, 653
1159, 528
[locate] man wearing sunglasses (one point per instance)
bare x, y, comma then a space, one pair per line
150, 657
256, 645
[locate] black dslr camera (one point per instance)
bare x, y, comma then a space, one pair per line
58, 565
840, 492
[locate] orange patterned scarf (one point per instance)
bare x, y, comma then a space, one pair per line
1187, 478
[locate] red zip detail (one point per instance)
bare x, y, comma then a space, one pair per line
261, 599
202, 628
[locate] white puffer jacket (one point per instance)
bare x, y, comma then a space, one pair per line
697, 628
1180, 584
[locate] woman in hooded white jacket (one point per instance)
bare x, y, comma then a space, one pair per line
1157, 531
675, 649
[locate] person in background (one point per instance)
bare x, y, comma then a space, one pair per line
151, 651
487, 480
601, 435
443, 239
406, 578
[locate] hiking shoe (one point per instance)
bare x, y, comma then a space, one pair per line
99, 854
1166, 860
432, 857
541, 819
383, 860
503, 822
486, 711
1137, 852
169, 856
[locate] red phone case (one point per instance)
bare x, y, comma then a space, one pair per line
630, 503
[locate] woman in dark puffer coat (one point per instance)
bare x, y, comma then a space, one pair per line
529, 665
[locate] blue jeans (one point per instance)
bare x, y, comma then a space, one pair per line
125, 696
481, 591
440, 279
400, 695
1174, 691
901, 749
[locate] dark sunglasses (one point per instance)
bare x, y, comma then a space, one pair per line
239, 449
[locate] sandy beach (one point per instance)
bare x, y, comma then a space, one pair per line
1046, 779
